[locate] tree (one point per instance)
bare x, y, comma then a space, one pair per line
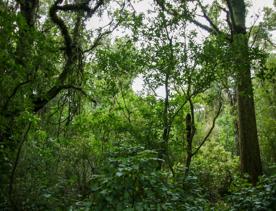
46, 59
180, 67
249, 146
265, 84
75, 134
236, 35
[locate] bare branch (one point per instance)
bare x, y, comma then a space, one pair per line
210, 130
202, 26
177, 111
255, 37
152, 89
251, 28
212, 30
228, 19
100, 37
231, 16
80, 7
73, 7
105, 33
53, 92
212, 24
13, 93
96, 7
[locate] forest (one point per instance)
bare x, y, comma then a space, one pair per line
137, 105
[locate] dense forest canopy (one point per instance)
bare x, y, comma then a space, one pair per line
137, 105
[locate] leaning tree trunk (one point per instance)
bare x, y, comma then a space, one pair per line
248, 138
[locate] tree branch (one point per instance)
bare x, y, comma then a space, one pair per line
212, 30
228, 19
202, 26
103, 34
13, 93
177, 111
96, 7
16, 162
80, 7
74, 7
42, 101
100, 37
231, 15
62, 27
212, 24
210, 130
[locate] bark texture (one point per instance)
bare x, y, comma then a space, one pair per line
190, 130
248, 139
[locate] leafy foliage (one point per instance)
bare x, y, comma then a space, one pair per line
75, 135
261, 197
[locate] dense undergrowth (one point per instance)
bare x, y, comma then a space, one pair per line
78, 133
77, 175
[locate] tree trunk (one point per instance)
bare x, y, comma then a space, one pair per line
26, 39
163, 151
272, 102
236, 137
249, 147
248, 139
233, 103
189, 126
190, 130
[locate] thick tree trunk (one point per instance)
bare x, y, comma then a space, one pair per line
233, 103
249, 146
248, 138
26, 39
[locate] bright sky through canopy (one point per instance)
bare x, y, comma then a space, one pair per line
252, 17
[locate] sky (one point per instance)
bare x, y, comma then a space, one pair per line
254, 11
142, 6
257, 5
